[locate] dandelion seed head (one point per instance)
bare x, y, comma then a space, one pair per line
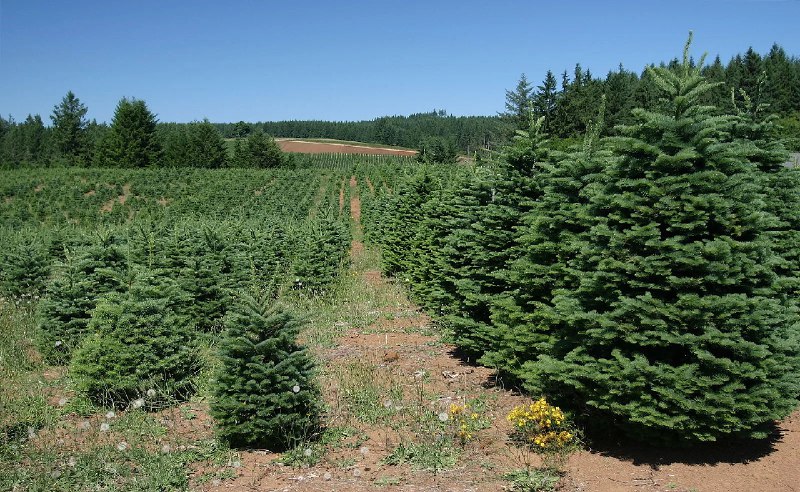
307, 452
151, 393
122, 446
104, 427
444, 416
110, 415
237, 464
58, 343
138, 403
296, 388
62, 402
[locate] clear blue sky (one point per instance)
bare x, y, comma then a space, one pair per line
346, 60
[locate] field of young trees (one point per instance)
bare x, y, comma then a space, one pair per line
179, 311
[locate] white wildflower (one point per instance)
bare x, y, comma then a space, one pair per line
443, 416
138, 403
104, 427
151, 393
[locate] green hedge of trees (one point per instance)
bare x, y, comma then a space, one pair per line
648, 280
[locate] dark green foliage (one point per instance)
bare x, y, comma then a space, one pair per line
66, 306
260, 150
519, 104
206, 147
24, 268
70, 129
321, 250
265, 394
131, 141
437, 150
138, 343
673, 332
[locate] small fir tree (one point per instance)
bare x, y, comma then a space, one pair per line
265, 395
138, 343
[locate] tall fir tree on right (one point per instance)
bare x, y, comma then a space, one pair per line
675, 331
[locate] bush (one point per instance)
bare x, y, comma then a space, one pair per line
265, 394
138, 343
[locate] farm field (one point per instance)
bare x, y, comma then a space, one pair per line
387, 371
335, 147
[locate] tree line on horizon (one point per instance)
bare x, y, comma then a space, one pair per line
770, 82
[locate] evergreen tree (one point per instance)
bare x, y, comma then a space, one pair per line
24, 268
70, 129
674, 332
64, 311
138, 343
131, 141
545, 100
176, 148
519, 104
206, 148
265, 394
262, 151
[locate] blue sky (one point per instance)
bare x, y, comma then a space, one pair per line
346, 60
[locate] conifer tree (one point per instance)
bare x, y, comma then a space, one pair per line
206, 146
70, 129
138, 343
265, 394
519, 104
552, 234
24, 268
131, 141
674, 332
64, 311
262, 151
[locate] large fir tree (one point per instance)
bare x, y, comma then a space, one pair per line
70, 129
131, 141
674, 331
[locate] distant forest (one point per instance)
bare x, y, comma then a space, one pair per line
760, 84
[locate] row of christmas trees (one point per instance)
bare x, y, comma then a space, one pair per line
133, 310
647, 281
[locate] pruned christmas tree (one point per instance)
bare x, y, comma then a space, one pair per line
265, 394
674, 331
138, 343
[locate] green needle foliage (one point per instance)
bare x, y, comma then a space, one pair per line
24, 268
265, 395
138, 343
674, 332
92, 272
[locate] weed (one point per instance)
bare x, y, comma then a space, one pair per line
435, 456
533, 480
387, 481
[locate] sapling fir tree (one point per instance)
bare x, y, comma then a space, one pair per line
265, 394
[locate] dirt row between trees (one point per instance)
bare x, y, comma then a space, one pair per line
306, 147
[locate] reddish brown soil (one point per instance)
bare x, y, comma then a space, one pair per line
341, 197
121, 199
305, 147
370, 185
355, 201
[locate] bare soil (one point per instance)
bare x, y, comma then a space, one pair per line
121, 199
305, 147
